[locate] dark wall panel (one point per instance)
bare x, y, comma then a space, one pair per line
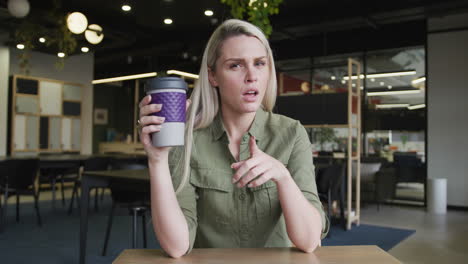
72, 108
26, 86
316, 109
44, 132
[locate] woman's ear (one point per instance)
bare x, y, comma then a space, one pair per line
212, 78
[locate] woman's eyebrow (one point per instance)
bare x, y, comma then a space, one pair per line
242, 59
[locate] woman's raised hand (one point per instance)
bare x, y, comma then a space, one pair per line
149, 124
258, 169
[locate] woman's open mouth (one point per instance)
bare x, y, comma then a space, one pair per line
250, 95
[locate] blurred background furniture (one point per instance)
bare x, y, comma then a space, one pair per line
17, 177
409, 167
378, 180
97, 163
330, 188
59, 168
135, 200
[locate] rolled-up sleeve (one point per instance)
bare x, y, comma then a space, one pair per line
187, 197
301, 167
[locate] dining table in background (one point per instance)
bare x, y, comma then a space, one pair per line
131, 179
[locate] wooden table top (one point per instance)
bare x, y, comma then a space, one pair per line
121, 174
323, 255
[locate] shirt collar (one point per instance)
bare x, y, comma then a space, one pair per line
256, 129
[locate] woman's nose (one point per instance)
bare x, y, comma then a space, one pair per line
251, 74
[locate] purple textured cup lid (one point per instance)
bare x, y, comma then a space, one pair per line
153, 84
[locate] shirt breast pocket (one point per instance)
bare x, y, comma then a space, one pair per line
267, 203
214, 189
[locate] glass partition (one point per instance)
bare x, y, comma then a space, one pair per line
393, 111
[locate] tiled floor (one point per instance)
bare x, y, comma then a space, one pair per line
438, 238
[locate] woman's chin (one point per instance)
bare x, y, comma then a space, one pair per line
250, 108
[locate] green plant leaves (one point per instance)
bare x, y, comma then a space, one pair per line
55, 31
255, 11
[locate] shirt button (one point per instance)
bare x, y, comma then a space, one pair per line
241, 196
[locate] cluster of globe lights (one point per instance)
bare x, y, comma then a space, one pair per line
77, 23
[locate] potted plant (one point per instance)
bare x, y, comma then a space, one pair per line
325, 135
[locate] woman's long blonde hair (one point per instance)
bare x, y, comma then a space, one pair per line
205, 101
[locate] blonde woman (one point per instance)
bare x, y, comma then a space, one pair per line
245, 177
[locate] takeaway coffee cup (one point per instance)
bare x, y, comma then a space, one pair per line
171, 93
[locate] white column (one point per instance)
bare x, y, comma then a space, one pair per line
447, 89
4, 72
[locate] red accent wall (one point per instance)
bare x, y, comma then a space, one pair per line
290, 84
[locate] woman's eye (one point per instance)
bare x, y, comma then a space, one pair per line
260, 63
234, 65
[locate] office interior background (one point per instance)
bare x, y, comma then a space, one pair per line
420, 108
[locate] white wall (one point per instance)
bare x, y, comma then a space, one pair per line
447, 63
4, 71
77, 69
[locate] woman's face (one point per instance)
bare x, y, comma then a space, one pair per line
241, 73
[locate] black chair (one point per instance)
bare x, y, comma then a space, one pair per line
386, 181
18, 177
135, 200
409, 167
330, 188
91, 164
58, 171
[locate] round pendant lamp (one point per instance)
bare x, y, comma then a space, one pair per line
18, 8
77, 22
94, 34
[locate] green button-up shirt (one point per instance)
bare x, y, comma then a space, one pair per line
218, 213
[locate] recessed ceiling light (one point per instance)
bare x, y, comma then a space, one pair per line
389, 87
382, 83
61, 54
167, 21
126, 8
333, 78
343, 81
372, 80
208, 12
84, 49
354, 85
42, 40
20, 46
